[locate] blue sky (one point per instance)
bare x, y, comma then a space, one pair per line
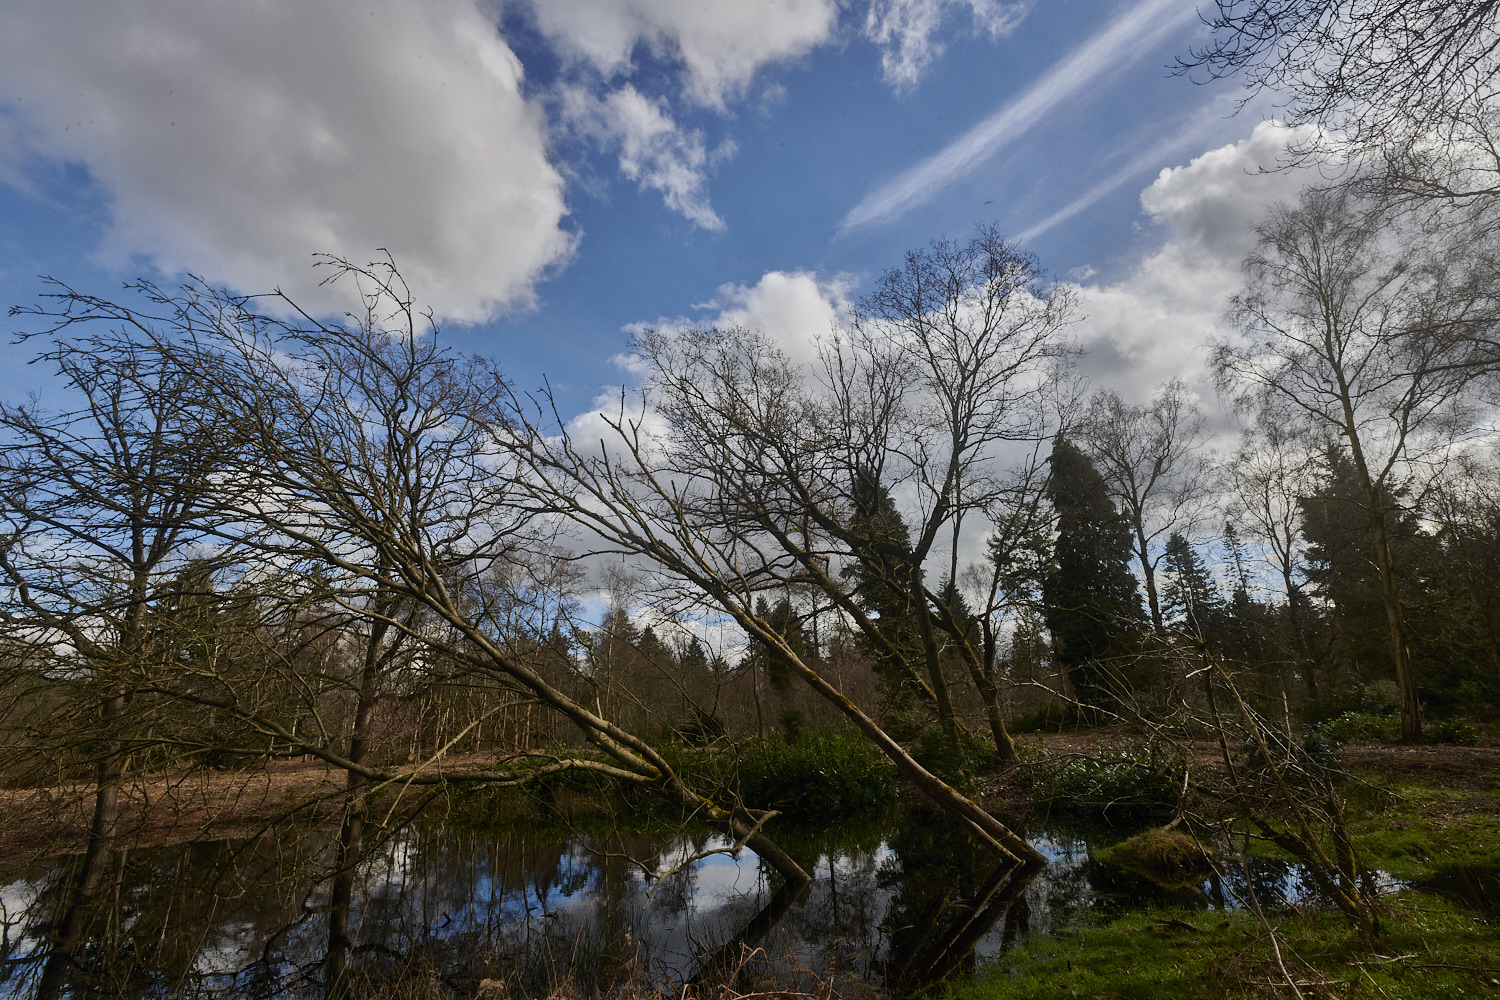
553, 173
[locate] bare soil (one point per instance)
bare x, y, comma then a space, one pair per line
1474, 769
160, 809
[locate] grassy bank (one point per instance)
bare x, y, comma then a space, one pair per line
1433, 948
1416, 831
1440, 939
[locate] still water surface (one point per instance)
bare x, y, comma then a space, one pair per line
899, 903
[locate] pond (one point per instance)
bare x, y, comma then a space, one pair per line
900, 903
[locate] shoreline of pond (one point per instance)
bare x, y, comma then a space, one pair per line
204, 804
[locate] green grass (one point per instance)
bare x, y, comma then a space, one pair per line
1413, 831
1432, 949
1433, 946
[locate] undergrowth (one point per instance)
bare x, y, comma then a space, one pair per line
827, 772
1127, 785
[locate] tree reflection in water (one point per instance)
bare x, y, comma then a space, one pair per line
904, 906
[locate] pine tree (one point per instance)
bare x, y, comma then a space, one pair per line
1341, 564
768, 659
1093, 606
1192, 601
882, 586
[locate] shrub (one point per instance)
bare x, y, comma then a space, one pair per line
702, 729
1361, 727
828, 772
1112, 783
1456, 731
957, 764
1357, 698
792, 722
1053, 717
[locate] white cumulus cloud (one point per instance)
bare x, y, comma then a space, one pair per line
906, 31
654, 150
1149, 326
721, 44
795, 309
237, 139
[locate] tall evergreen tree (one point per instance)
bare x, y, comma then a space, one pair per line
766, 658
882, 586
1341, 563
1093, 605
1191, 598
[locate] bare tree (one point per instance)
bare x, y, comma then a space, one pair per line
1363, 329
357, 468
1401, 90
981, 338
1004, 587
1152, 458
1270, 474
102, 503
375, 452
974, 342
1364, 70
745, 477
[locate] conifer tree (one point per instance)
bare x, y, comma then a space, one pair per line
1192, 600
882, 586
762, 656
1093, 606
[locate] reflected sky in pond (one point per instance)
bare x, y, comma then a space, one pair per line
900, 906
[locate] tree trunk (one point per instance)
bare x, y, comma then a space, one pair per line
1390, 597
1299, 631
1005, 747
983, 674
351, 831
946, 717
107, 780
1148, 571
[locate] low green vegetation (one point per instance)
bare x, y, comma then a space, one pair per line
1373, 727
1124, 786
1433, 948
1170, 858
831, 771
958, 763
1437, 937
827, 772
1416, 831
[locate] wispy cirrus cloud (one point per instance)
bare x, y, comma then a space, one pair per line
1124, 40
1190, 132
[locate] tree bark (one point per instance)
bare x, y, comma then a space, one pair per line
107, 778
1299, 631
